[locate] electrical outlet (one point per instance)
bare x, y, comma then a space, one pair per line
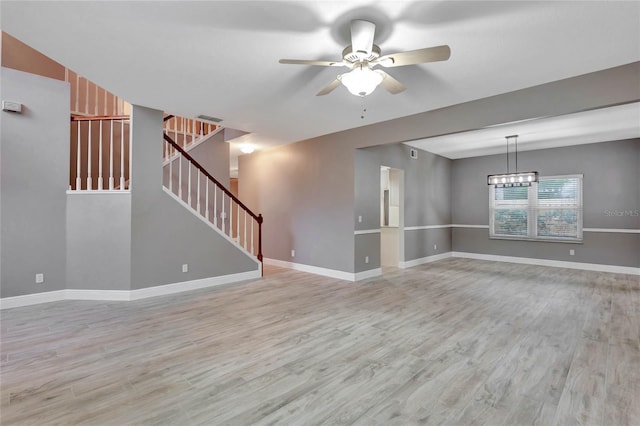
435, 247
366, 259
39, 278
293, 253
185, 267
572, 252
360, 219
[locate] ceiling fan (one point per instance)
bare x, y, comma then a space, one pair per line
362, 56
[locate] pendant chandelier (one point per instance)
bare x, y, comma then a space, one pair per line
509, 179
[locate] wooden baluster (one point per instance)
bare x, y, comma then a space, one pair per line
111, 182
245, 230
215, 205
230, 217
105, 93
77, 93
238, 224
86, 96
184, 135
170, 170
201, 129
180, 176
100, 159
175, 130
165, 151
206, 198
198, 191
89, 184
253, 247
78, 161
222, 215
189, 184
96, 101
122, 155
193, 130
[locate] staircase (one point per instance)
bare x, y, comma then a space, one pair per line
100, 162
196, 189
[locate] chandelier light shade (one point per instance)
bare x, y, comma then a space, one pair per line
362, 80
507, 180
513, 179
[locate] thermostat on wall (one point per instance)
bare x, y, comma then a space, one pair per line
12, 106
413, 153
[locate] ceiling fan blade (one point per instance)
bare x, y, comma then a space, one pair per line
412, 57
305, 62
329, 87
362, 33
392, 85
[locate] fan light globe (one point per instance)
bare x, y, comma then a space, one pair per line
362, 80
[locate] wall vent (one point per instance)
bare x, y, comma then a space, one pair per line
209, 118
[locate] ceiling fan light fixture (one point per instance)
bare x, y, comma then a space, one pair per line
362, 80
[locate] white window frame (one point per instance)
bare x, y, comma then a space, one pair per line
533, 206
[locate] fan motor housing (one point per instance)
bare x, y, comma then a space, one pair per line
349, 55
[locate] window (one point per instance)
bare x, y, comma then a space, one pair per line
550, 210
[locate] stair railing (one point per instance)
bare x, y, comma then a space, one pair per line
100, 159
210, 199
187, 132
89, 99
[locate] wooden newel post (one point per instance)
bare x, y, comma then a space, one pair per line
260, 220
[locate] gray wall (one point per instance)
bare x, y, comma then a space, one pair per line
306, 190
304, 193
611, 175
34, 176
426, 201
213, 155
99, 241
426, 185
164, 234
95, 241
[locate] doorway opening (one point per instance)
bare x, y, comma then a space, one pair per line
391, 217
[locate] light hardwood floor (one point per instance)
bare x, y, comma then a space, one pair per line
456, 342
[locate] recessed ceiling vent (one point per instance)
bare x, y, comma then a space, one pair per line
209, 118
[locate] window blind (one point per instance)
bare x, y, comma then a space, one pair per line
548, 210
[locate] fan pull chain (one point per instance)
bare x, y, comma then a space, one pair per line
364, 108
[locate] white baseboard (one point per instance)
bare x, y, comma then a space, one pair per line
553, 263
371, 273
107, 295
331, 273
423, 260
32, 299
126, 295
163, 290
